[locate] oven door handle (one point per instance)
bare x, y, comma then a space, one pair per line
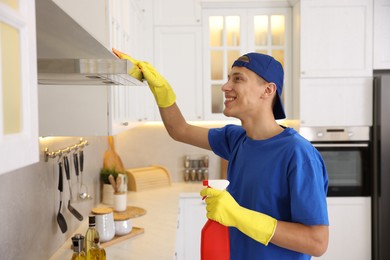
340, 145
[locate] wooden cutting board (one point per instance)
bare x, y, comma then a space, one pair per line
111, 158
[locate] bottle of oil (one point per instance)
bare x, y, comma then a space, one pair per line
90, 235
96, 252
77, 243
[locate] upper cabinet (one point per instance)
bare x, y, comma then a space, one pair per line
177, 43
117, 24
381, 34
177, 12
335, 74
178, 57
336, 102
19, 145
336, 38
87, 110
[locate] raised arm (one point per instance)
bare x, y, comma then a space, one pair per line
181, 131
173, 120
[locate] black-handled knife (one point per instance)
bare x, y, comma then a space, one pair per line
60, 182
76, 164
66, 165
81, 154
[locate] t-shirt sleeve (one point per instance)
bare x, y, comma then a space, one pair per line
308, 188
223, 140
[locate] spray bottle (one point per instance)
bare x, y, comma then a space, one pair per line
215, 243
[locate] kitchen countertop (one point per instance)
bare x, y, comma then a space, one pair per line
160, 225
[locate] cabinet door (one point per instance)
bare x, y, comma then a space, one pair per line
73, 110
336, 38
349, 229
178, 59
336, 102
122, 115
192, 218
177, 12
381, 34
19, 144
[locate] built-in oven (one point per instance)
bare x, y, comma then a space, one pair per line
346, 152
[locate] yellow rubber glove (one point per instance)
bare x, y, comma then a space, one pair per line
223, 208
162, 91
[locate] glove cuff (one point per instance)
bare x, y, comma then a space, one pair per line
256, 225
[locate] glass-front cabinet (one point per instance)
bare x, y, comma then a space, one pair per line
18, 85
231, 33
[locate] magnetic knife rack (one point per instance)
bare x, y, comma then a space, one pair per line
65, 150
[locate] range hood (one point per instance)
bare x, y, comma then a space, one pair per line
69, 55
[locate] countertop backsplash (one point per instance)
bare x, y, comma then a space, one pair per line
150, 144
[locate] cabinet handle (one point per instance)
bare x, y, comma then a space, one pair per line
125, 123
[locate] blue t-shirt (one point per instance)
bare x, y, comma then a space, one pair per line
283, 177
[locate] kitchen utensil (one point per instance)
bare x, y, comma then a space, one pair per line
76, 170
111, 179
70, 208
112, 159
60, 218
118, 183
83, 194
122, 187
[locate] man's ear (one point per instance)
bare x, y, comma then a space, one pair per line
270, 89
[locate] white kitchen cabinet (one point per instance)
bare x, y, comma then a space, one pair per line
381, 34
142, 105
113, 23
19, 144
349, 229
192, 217
336, 38
178, 59
177, 12
88, 110
336, 102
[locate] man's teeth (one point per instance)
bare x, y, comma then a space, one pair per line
230, 99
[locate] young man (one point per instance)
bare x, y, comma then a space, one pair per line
275, 204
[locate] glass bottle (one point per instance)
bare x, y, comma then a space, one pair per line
90, 235
77, 243
96, 252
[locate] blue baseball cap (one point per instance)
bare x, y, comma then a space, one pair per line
270, 70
